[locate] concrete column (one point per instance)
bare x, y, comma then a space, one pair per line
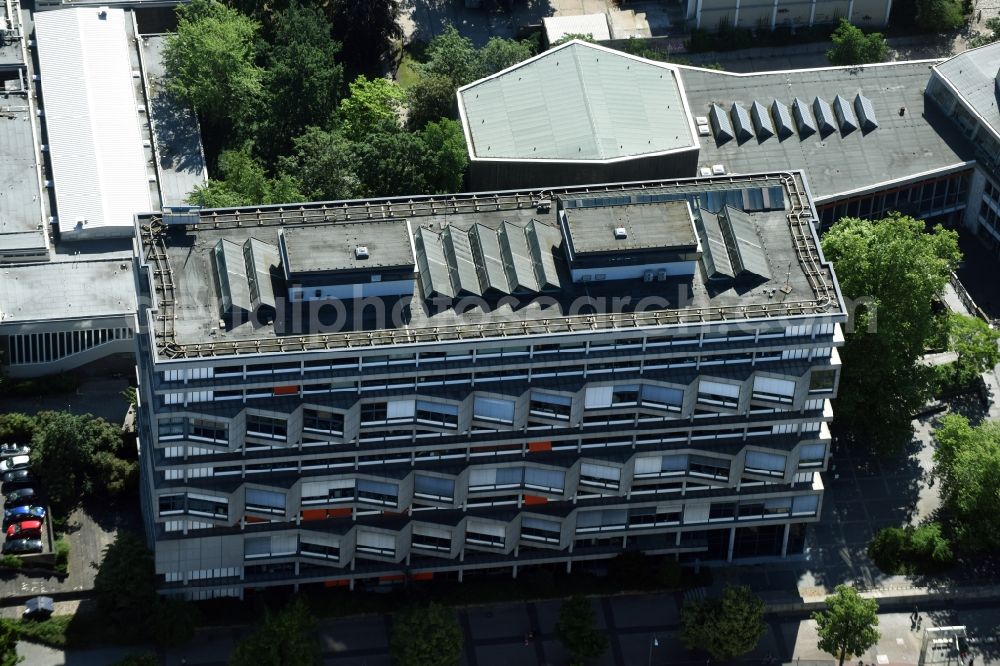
461, 575
774, 15
697, 21
784, 540
850, 11
732, 543
513, 572
736, 16
812, 14
569, 566
888, 10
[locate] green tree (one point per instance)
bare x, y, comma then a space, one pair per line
391, 163
125, 584
984, 38
975, 343
849, 624
112, 474
366, 29
892, 271
67, 451
453, 56
446, 154
16, 428
582, 36
303, 79
174, 621
940, 15
323, 162
286, 637
431, 98
499, 54
426, 636
967, 460
577, 630
909, 550
725, 627
210, 60
244, 182
8, 644
372, 106
851, 46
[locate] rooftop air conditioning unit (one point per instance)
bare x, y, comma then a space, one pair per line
718, 170
661, 274
647, 276
703, 130
621, 233
361, 252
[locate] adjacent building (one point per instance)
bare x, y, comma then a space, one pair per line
444, 386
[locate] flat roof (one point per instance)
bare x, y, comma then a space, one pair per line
91, 114
664, 226
180, 161
185, 324
595, 25
920, 140
22, 222
67, 290
973, 74
325, 248
577, 102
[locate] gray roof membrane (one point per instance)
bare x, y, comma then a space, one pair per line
461, 260
803, 118
761, 120
261, 258
435, 274
741, 123
845, 115
489, 262
721, 125
745, 246
517, 258
715, 255
543, 241
866, 113
825, 121
782, 119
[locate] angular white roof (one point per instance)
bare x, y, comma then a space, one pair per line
95, 142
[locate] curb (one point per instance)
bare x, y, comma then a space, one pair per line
898, 599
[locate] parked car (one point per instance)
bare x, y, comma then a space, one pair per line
11, 450
20, 496
38, 608
24, 512
26, 529
22, 546
17, 478
17, 462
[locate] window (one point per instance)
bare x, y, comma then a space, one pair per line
805, 505
625, 395
601, 476
376, 543
722, 511
429, 537
265, 501
605, 520
493, 409
758, 462
718, 393
267, 427
206, 505
327, 492
774, 508
378, 492
662, 397
270, 546
400, 411
319, 551
539, 529
209, 431
773, 390
704, 466
374, 412
552, 480
438, 414
328, 423
167, 429
493, 478
812, 455
652, 516
822, 381
171, 504
434, 487
485, 534
654, 466
551, 406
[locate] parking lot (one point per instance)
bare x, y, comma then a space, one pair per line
27, 533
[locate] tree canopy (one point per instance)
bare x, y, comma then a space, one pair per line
849, 624
210, 60
373, 106
967, 460
851, 46
975, 343
243, 181
726, 627
366, 29
324, 164
940, 15
577, 629
891, 270
426, 636
285, 637
8, 644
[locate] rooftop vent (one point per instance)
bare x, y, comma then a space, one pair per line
621, 233
102, 12
361, 252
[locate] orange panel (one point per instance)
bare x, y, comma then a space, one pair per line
423, 576
535, 499
392, 579
340, 582
339, 513
537, 447
313, 514
286, 390
255, 519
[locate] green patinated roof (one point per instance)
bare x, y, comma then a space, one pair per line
577, 102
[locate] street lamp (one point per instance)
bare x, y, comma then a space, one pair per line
652, 644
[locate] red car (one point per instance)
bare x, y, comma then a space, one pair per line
26, 529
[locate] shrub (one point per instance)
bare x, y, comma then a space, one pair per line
62, 556
909, 550
11, 562
51, 632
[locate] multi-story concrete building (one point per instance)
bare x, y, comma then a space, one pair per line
434, 386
